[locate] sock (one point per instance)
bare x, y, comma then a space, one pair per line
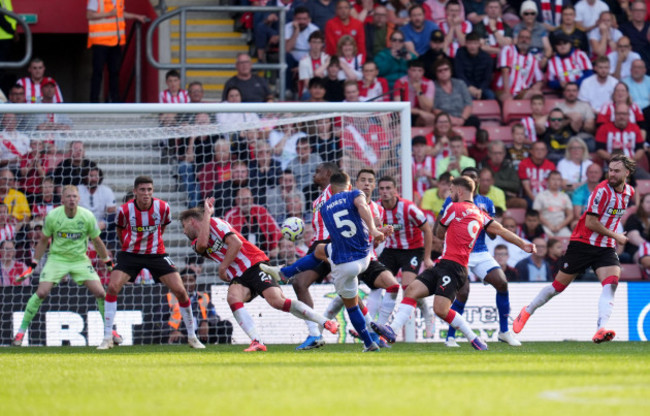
359, 323
302, 311
503, 307
188, 318
388, 304
373, 302
457, 321
459, 307
313, 328
606, 301
403, 314
309, 262
110, 309
334, 307
100, 305
245, 321
427, 313
33, 305
544, 295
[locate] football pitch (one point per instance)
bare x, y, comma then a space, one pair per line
567, 378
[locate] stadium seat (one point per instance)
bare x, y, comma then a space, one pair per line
502, 133
629, 211
468, 133
642, 186
550, 103
519, 214
420, 131
631, 272
486, 110
515, 110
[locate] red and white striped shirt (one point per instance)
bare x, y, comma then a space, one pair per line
33, 91
379, 87
568, 69
492, 39
551, 13
607, 113
166, 97
377, 211
10, 273
406, 219
529, 128
535, 174
366, 145
320, 231
421, 183
248, 255
609, 206
614, 138
465, 27
524, 69
143, 230
7, 232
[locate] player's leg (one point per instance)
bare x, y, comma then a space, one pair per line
301, 283
238, 294
31, 309
459, 307
442, 308
408, 277
608, 277
117, 279
497, 279
387, 281
175, 285
97, 290
309, 262
275, 298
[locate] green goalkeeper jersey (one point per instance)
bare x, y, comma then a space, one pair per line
70, 235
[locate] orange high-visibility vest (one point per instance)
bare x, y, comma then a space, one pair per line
108, 31
176, 318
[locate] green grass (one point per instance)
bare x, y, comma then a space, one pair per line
410, 379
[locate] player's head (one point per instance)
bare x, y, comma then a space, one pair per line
462, 189
339, 182
620, 168
387, 189
366, 181
472, 173
70, 196
191, 219
143, 191
188, 276
323, 173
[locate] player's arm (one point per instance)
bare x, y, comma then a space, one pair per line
234, 245
103, 252
428, 241
366, 216
41, 246
509, 236
592, 222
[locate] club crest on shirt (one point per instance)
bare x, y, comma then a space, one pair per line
155, 216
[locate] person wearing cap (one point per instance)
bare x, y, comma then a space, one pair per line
578, 36
492, 29
588, 12
539, 45
418, 31
474, 66
392, 62
50, 121
568, 64
34, 82
436, 50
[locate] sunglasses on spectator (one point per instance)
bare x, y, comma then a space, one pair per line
396, 39
556, 119
530, 14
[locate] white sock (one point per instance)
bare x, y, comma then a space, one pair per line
334, 307
387, 307
246, 322
403, 314
188, 319
302, 311
544, 295
427, 312
460, 324
314, 331
110, 309
373, 302
606, 304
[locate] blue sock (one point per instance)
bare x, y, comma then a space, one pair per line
460, 308
359, 323
309, 262
503, 306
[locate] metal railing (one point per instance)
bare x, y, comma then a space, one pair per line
182, 12
28, 41
136, 72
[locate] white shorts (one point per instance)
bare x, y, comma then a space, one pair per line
481, 264
345, 275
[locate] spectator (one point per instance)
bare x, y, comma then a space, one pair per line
33, 83
98, 198
371, 87
554, 253
597, 88
209, 327
225, 191
515, 254
217, 170
398, 12
314, 63
174, 94
535, 268
15, 200
505, 175
287, 253
17, 94
350, 60
550, 15
621, 59
453, 97
604, 37
344, 24
520, 148
493, 31
32, 170
434, 198
50, 121
195, 92
638, 227
537, 122
333, 85
638, 30
455, 28
569, 64
236, 120
474, 67
423, 167
475, 10
253, 88
264, 171
557, 135
197, 152
436, 50
501, 256
556, 210
317, 90
14, 145
621, 95
11, 268
325, 143
534, 170
283, 141
639, 86
417, 32
420, 91
588, 12
277, 196
539, 46
254, 222
486, 188
438, 141
581, 195
393, 61
377, 32
456, 161
298, 34
304, 164
520, 77
73, 170
7, 227
266, 28
321, 11
568, 27
532, 227
573, 167
579, 113
479, 150
45, 200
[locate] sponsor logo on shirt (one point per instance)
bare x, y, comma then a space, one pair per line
616, 211
143, 228
69, 236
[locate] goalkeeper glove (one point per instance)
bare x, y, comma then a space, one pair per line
108, 262
27, 274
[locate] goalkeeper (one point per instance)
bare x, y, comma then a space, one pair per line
69, 226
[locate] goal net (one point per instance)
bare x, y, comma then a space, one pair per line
242, 154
